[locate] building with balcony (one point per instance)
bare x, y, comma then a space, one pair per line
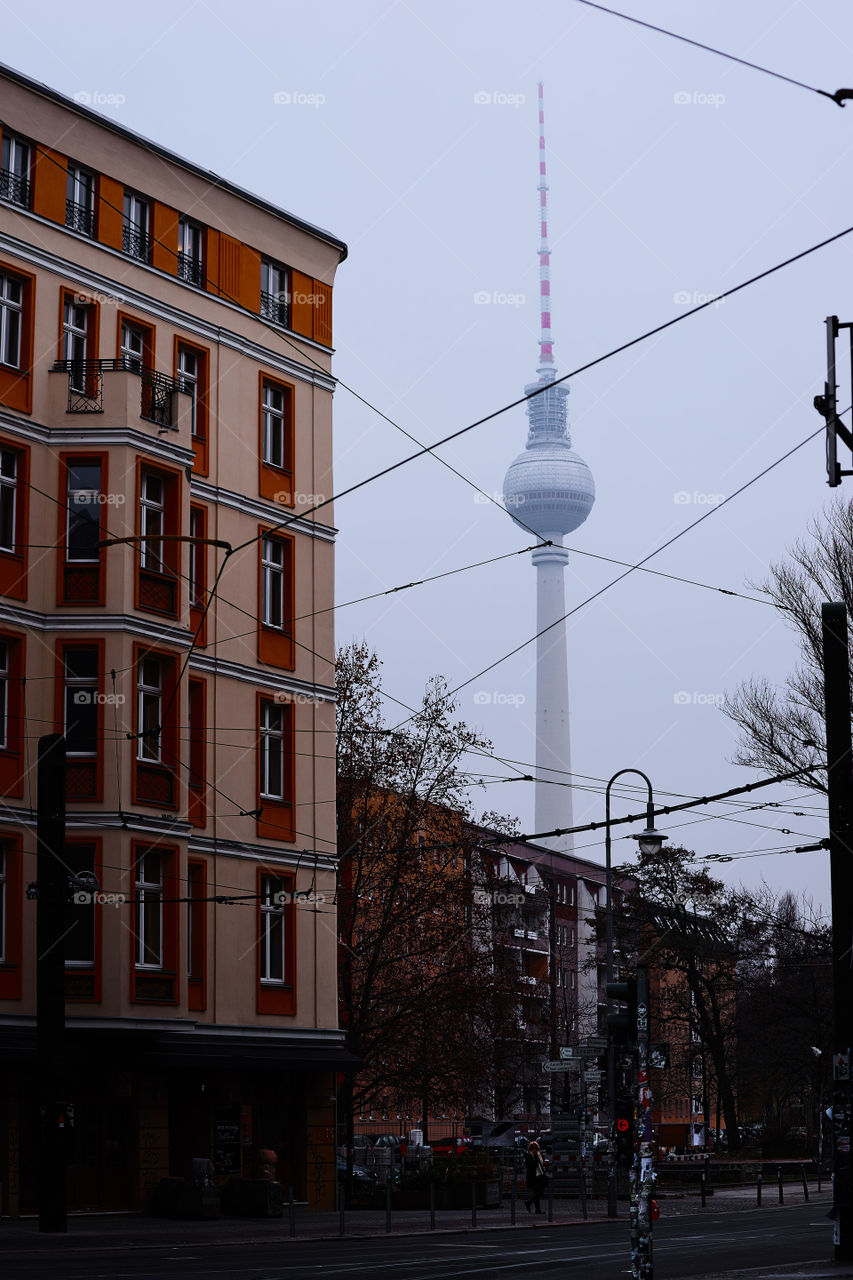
166, 579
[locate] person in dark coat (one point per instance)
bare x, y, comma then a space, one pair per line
537, 1179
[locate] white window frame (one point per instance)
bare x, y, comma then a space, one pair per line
272, 583
272, 729
9, 494
132, 350
152, 522
273, 410
15, 160
149, 694
4, 900
188, 374
80, 191
272, 910
148, 891
136, 220
190, 250
75, 331
275, 294
80, 684
91, 498
195, 577
11, 321
4, 694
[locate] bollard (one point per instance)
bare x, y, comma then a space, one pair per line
758, 1186
342, 1210
512, 1197
779, 1180
550, 1199
805, 1184
432, 1206
473, 1204
291, 1207
702, 1187
388, 1204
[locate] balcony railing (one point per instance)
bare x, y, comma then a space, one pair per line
190, 269
80, 217
135, 243
274, 307
86, 387
14, 187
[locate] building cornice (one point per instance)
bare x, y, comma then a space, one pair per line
89, 623
301, 859
263, 512
63, 437
280, 681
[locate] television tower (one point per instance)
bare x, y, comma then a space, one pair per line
549, 489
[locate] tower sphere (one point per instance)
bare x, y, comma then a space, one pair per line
549, 488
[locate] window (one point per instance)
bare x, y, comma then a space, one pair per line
83, 502
188, 375
75, 330
8, 499
79, 936
275, 769
11, 307
272, 583
272, 751
159, 557
196, 935
151, 522
80, 200
149, 910
276, 943
572, 896
15, 170
10, 919
156, 729
81, 701
149, 691
198, 557
132, 351
11, 715
134, 237
190, 260
274, 426
197, 752
273, 897
275, 296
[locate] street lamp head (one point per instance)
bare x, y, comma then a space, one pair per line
650, 841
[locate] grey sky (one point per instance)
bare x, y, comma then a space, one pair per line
673, 175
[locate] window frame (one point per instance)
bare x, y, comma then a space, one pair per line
276, 645
200, 415
16, 383
84, 771
197, 751
9, 308
276, 480
158, 576
12, 754
83, 978
155, 983
136, 233
80, 214
190, 261
197, 572
155, 767
80, 581
196, 950
276, 996
11, 174
276, 820
11, 955
275, 292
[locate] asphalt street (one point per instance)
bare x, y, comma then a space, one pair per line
765, 1243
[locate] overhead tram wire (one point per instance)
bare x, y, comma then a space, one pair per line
838, 97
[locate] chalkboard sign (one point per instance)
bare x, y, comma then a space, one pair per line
226, 1146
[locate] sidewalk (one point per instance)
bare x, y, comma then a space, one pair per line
105, 1232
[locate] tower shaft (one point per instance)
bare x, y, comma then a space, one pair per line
553, 803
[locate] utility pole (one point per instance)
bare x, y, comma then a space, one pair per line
836, 676
52, 881
642, 1173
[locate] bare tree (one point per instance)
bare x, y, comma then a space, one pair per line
783, 728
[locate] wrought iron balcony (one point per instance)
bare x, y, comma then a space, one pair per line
135, 243
190, 269
274, 307
80, 217
15, 188
86, 387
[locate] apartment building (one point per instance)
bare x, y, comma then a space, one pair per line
165, 587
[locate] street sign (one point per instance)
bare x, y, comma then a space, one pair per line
567, 1051
579, 1051
557, 1066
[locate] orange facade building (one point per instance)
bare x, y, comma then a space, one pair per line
166, 428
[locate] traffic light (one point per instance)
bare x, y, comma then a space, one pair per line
625, 1132
622, 1026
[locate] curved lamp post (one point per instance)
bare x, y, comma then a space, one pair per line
649, 841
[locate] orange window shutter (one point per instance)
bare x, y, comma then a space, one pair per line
211, 260
50, 176
110, 212
229, 268
323, 313
302, 304
164, 248
249, 295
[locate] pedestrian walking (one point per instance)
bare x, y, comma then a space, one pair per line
537, 1179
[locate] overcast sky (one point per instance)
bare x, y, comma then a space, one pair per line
409, 129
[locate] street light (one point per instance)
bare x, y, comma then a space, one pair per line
649, 842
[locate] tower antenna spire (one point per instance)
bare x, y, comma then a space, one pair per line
546, 368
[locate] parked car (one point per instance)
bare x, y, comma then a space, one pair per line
364, 1182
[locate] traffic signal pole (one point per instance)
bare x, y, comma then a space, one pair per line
52, 881
836, 673
642, 1185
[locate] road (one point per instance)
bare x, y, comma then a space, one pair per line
691, 1245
